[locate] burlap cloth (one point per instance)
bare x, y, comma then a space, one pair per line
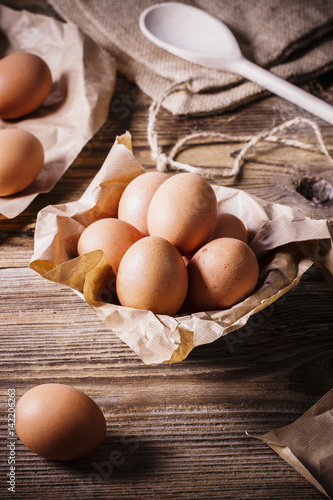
294, 39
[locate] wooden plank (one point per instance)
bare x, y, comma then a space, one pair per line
187, 419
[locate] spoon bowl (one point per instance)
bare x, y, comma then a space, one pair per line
193, 38
196, 36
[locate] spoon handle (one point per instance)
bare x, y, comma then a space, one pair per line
284, 89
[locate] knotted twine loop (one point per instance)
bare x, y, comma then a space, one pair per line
164, 161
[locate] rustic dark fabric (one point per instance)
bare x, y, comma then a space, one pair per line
292, 38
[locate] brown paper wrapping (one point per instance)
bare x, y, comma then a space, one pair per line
307, 445
286, 243
83, 83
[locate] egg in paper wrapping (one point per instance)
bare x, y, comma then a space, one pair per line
183, 211
21, 160
25, 83
152, 276
221, 273
135, 200
229, 226
113, 236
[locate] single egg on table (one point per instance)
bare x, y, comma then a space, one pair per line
25, 83
59, 422
21, 160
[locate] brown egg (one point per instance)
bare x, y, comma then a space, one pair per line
25, 83
111, 235
21, 160
221, 273
59, 422
229, 226
183, 211
135, 200
152, 275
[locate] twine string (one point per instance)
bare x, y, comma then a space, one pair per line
164, 161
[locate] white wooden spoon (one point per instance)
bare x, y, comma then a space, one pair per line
199, 37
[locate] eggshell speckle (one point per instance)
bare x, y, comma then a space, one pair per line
221, 273
152, 275
21, 160
59, 422
111, 235
183, 211
25, 83
135, 200
229, 226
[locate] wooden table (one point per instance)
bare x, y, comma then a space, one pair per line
178, 431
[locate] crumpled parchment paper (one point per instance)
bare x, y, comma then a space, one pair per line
307, 444
285, 241
83, 83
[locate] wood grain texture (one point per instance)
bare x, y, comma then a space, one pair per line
174, 431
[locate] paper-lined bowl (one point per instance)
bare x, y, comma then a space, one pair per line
285, 242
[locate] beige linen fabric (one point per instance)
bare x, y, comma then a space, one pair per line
294, 39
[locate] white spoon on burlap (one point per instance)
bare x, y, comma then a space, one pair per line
196, 36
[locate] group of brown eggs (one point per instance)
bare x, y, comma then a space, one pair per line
25, 83
171, 250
